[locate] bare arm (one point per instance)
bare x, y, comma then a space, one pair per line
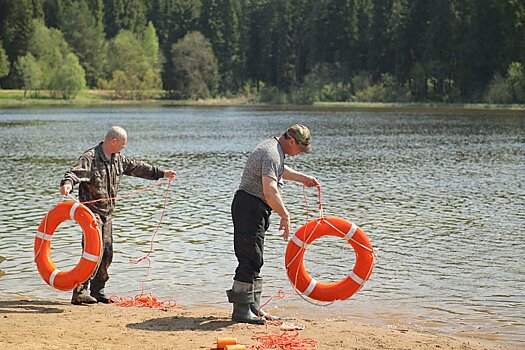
292, 175
275, 201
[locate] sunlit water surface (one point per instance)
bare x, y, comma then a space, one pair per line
440, 195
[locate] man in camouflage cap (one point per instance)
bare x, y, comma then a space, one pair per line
98, 172
258, 195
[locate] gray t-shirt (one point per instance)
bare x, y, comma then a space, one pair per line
266, 160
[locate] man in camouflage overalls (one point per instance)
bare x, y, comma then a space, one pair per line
98, 172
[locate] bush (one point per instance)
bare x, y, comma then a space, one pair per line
4, 62
516, 81
388, 89
510, 89
498, 91
272, 95
306, 93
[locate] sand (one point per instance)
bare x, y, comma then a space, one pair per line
45, 324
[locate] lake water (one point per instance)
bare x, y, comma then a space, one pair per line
440, 195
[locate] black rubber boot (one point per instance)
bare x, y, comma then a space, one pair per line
241, 307
100, 296
256, 306
81, 295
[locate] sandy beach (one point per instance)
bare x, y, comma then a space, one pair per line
46, 324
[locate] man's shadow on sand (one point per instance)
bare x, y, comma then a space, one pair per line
182, 323
30, 306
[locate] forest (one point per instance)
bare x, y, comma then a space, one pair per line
280, 51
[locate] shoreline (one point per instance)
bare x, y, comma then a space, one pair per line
46, 324
11, 99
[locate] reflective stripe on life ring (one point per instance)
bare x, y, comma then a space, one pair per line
329, 226
91, 255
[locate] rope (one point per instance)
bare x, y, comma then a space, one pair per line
351, 239
165, 204
280, 296
303, 248
132, 193
287, 340
145, 300
320, 205
45, 232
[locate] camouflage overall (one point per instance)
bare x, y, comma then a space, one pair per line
99, 178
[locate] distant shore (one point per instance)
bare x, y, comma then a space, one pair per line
101, 98
45, 324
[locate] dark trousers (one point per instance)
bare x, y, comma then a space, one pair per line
98, 282
251, 220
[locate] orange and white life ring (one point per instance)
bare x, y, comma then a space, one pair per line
329, 226
91, 255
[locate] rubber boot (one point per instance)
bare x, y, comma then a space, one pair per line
99, 295
256, 306
81, 295
242, 297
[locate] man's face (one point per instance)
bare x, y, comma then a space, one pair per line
295, 147
119, 144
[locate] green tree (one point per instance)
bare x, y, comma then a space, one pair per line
30, 73
303, 20
86, 38
133, 75
281, 71
49, 48
54, 12
482, 43
4, 62
337, 28
97, 11
150, 43
364, 42
516, 81
270, 57
16, 27
124, 14
50, 64
220, 25
69, 79
196, 71
256, 41
172, 19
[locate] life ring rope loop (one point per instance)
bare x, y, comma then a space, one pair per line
349, 235
300, 243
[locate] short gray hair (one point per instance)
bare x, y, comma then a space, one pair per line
115, 132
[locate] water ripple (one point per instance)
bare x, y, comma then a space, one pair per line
439, 195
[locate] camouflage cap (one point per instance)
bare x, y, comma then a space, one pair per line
301, 134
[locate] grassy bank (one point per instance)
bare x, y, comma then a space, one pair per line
93, 98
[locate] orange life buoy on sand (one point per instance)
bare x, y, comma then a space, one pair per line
91, 255
329, 226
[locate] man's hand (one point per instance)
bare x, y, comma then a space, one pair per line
170, 174
285, 225
65, 189
310, 181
